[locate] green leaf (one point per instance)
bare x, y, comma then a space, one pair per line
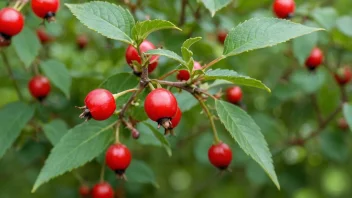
58, 75
214, 5
140, 172
142, 29
247, 134
234, 77
263, 32
303, 46
161, 138
189, 42
309, 82
326, 17
347, 113
167, 53
80, 145
105, 18
187, 55
185, 100
344, 24
27, 46
55, 130
13, 117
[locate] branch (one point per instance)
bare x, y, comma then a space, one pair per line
183, 12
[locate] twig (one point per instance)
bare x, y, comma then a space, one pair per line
183, 12
167, 74
213, 62
9, 70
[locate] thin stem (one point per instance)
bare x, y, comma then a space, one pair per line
9, 70
316, 107
117, 133
167, 74
151, 86
102, 172
21, 5
206, 110
78, 177
210, 95
213, 62
123, 93
183, 12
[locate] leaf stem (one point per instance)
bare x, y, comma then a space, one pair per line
102, 172
78, 177
213, 62
167, 74
123, 93
206, 110
117, 132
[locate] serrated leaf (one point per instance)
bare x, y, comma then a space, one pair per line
347, 113
27, 46
186, 54
326, 17
80, 145
189, 42
161, 138
58, 75
234, 77
344, 24
214, 5
141, 30
167, 53
13, 117
263, 32
247, 134
303, 46
140, 172
105, 18
55, 130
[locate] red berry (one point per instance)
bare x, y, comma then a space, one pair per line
220, 155
177, 118
82, 41
100, 105
11, 22
315, 59
84, 191
185, 75
102, 190
234, 94
284, 8
118, 158
39, 87
343, 75
160, 106
43, 36
45, 9
132, 55
342, 123
222, 36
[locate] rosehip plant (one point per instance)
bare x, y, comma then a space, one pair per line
156, 75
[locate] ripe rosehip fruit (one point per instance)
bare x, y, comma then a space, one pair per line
82, 41
118, 157
160, 106
220, 155
11, 23
100, 105
39, 87
132, 55
284, 8
222, 36
342, 123
103, 190
177, 118
315, 59
84, 191
343, 75
234, 94
45, 9
185, 75
43, 36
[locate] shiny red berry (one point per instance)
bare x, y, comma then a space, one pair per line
234, 94
177, 118
160, 106
118, 157
103, 190
222, 36
43, 36
315, 59
82, 41
220, 155
343, 75
11, 22
84, 191
132, 55
284, 8
45, 9
39, 87
100, 105
185, 75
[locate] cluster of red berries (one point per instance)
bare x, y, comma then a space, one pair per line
12, 21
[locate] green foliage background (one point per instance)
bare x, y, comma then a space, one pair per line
320, 169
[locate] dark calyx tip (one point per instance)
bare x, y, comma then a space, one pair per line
311, 69
120, 172
41, 98
5, 40
222, 168
85, 114
137, 73
290, 16
165, 122
50, 17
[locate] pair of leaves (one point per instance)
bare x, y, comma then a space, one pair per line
116, 22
